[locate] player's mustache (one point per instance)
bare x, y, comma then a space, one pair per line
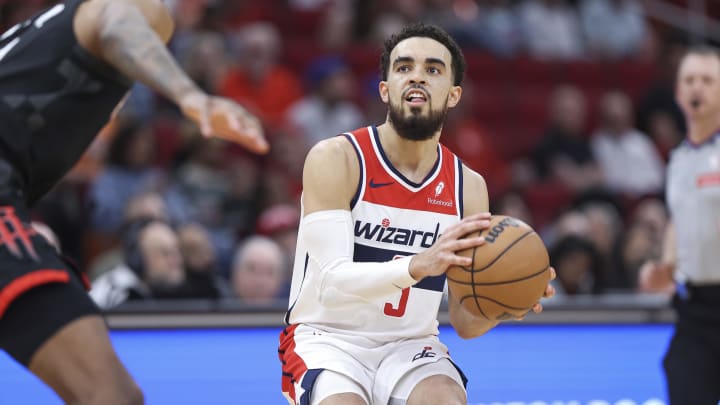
416, 87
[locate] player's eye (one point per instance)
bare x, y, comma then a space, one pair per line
403, 68
433, 70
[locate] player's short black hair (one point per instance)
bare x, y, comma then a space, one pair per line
427, 31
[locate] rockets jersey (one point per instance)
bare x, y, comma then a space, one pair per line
693, 195
54, 97
392, 217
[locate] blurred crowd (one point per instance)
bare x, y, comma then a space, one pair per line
567, 111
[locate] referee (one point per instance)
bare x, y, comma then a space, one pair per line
690, 266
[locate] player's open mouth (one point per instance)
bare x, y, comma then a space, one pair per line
415, 97
695, 102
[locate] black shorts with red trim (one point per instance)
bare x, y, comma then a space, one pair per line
40, 291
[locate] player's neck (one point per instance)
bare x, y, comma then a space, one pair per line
701, 130
414, 159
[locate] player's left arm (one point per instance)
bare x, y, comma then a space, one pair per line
476, 200
131, 36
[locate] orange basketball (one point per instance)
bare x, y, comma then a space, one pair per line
508, 274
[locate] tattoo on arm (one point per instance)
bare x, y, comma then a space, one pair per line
133, 47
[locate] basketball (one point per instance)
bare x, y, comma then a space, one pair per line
508, 274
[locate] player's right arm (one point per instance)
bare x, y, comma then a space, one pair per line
131, 35
330, 178
657, 276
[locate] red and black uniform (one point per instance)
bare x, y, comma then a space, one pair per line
54, 99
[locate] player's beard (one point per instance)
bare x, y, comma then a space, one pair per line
413, 126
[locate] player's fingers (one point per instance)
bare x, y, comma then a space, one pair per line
234, 123
549, 291
466, 227
465, 243
204, 118
537, 308
553, 273
479, 215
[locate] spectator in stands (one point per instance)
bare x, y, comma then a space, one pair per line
664, 132
328, 109
152, 268
106, 255
280, 223
576, 262
202, 277
644, 238
486, 24
512, 204
129, 171
605, 228
630, 163
503, 35
205, 47
258, 272
258, 80
628, 31
282, 174
393, 16
336, 28
204, 181
241, 204
659, 98
552, 29
564, 154
464, 133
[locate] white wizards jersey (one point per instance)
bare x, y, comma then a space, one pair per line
693, 195
392, 217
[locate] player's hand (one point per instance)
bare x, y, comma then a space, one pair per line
223, 118
443, 253
656, 277
549, 293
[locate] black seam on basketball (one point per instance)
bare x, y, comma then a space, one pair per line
472, 277
476, 303
500, 282
503, 251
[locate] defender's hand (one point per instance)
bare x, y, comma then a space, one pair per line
225, 119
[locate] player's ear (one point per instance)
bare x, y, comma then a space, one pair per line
454, 96
383, 90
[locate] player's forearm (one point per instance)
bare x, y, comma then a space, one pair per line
467, 325
328, 238
133, 47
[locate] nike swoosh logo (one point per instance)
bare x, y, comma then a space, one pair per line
376, 185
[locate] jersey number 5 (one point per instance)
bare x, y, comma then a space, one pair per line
399, 311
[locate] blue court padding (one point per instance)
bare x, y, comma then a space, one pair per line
514, 364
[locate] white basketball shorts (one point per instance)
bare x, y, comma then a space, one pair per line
375, 370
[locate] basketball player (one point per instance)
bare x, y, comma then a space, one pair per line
691, 254
62, 73
385, 210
